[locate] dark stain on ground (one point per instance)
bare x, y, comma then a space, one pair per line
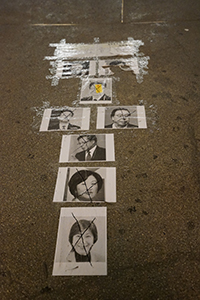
138, 200
145, 212
190, 225
132, 209
175, 129
141, 175
182, 189
31, 156
43, 177
155, 156
122, 231
46, 289
45, 269
183, 98
175, 160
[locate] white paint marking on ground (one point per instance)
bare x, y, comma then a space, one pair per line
126, 51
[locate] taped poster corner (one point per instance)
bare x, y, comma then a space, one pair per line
86, 60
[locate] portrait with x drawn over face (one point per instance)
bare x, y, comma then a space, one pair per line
81, 247
87, 148
86, 185
121, 117
65, 119
96, 91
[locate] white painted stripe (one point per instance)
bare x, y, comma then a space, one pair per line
92, 68
141, 117
45, 120
86, 119
64, 151
60, 185
110, 147
110, 185
100, 117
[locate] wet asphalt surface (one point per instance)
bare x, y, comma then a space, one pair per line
153, 229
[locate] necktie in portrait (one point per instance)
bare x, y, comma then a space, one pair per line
88, 156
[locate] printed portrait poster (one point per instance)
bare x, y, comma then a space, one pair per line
96, 91
87, 148
65, 119
121, 117
81, 247
86, 185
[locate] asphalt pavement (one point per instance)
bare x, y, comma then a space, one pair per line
153, 249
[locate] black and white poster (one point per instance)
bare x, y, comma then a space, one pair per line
121, 117
65, 119
81, 247
96, 90
87, 148
87, 185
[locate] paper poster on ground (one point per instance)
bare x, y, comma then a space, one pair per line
81, 247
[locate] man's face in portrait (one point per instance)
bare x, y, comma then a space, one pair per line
121, 118
85, 143
64, 119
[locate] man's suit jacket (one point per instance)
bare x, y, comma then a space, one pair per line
128, 126
92, 98
99, 154
54, 124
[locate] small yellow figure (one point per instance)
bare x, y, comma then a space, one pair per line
98, 88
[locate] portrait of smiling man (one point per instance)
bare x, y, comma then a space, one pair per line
90, 149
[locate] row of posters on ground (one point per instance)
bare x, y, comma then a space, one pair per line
76, 118
81, 247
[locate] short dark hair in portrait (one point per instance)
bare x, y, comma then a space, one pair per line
87, 143
93, 83
120, 109
81, 226
121, 120
90, 137
54, 120
82, 237
81, 176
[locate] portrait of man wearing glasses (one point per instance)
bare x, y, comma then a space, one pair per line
90, 149
120, 117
